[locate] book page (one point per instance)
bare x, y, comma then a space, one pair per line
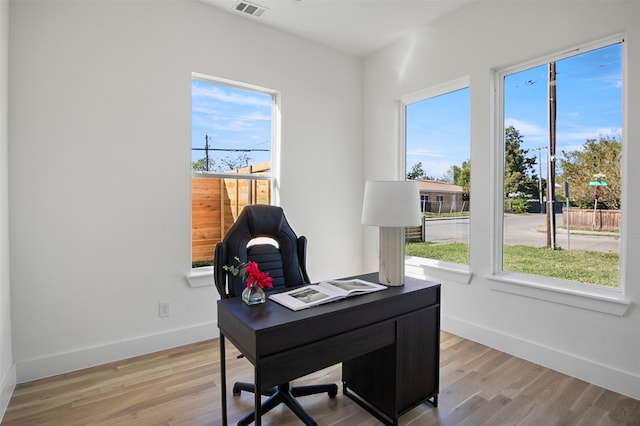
305, 297
326, 291
349, 287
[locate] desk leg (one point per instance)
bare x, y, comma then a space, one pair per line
223, 381
257, 382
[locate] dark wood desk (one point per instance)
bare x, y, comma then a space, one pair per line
387, 341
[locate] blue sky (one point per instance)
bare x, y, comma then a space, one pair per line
589, 104
589, 101
438, 132
233, 118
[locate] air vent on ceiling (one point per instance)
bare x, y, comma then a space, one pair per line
250, 8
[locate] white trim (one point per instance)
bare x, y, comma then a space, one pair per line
6, 390
496, 203
585, 296
276, 147
201, 277
54, 364
433, 91
437, 270
624, 175
232, 83
222, 175
401, 131
574, 365
565, 53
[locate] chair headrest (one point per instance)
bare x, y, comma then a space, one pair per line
264, 219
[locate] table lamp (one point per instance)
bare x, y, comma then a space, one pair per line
391, 205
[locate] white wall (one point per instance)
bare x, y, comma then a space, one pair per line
7, 367
597, 347
100, 168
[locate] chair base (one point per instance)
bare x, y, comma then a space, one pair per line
286, 395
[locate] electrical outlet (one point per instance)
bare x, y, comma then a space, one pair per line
164, 309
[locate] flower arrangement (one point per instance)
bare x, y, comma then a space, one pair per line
250, 272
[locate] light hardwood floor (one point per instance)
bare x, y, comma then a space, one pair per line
478, 386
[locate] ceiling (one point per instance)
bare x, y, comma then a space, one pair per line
358, 27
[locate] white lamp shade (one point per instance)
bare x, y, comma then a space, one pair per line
391, 203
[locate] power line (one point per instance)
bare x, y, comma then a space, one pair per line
206, 149
229, 149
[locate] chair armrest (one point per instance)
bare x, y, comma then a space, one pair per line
219, 274
302, 257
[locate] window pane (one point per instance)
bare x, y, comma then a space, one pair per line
231, 140
438, 155
563, 132
233, 123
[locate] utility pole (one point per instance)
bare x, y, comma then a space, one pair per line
551, 170
206, 151
540, 148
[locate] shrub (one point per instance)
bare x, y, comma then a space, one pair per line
517, 205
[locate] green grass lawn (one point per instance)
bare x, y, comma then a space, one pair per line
574, 265
453, 252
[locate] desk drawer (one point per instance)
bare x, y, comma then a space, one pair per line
291, 364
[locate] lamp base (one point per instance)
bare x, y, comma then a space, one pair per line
391, 256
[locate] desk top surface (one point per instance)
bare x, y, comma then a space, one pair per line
270, 326
272, 314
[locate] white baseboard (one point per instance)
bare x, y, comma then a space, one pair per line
624, 382
6, 390
89, 357
608, 377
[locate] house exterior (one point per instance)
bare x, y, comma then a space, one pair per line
441, 197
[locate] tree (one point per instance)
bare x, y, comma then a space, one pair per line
201, 165
416, 172
580, 166
462, 177
227, 163
239, 161
519, 170
447, 176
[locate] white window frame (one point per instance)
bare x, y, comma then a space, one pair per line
203, 276
581, 295
420, 267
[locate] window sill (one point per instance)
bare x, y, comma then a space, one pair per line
422, 268
585, 296
201, 277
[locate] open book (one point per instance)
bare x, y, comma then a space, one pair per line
326, 291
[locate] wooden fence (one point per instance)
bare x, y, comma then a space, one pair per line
215, 205
414, 234
603, 220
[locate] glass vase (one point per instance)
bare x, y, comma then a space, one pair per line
253, 295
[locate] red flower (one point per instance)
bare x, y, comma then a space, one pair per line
255, 275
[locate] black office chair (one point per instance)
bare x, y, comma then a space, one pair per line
284, 258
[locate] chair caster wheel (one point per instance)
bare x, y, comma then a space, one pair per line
236, 391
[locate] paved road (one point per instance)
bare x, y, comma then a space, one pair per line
528, 229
